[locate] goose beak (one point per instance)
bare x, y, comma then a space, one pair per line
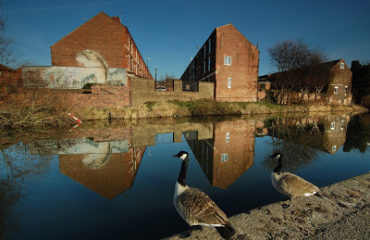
175, 156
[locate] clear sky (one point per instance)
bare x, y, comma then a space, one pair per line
169, 31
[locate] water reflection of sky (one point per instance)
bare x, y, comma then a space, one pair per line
121, 195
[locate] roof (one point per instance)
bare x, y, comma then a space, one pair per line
5, 68
325, 65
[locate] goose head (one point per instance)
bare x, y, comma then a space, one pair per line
182, 155
279, 157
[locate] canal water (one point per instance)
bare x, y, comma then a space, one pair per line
116, 180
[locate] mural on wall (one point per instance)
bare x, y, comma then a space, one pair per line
93, 69
72, 77
91, 59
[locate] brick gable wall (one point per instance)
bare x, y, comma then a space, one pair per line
243, 69
108, 38
100, 34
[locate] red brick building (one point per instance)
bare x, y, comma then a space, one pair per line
101, 41
336, 74
228, 59
10, 79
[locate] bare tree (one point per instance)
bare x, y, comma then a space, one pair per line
6, 54
293, 60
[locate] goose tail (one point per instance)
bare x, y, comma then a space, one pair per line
226, 231
321, 195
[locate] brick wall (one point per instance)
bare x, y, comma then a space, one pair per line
100, 97
100, 34
106, 37
243, 69
10, 81
340, 78
143, 90
208, 65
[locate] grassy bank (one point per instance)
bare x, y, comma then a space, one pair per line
42, 117
206, 108
50, 117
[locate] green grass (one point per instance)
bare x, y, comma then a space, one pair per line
150, 105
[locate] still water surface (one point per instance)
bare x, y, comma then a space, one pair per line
116, 181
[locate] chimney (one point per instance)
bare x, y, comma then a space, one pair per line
116, 19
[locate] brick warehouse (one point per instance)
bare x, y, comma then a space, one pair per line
229, 60
102, 41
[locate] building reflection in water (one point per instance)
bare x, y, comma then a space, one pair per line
108, 161
326, 134
107, 168
302, 139
335, 132
228, 154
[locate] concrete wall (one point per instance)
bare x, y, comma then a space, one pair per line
72, 77
143, 90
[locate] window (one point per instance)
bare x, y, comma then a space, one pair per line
204, 51
345, 90
262, 86
229, 82
204, 67
227, 137
209, 63
336, 89
334, 148
209, 46
224, 157
341, 65
332, 126
342, 125
227, 60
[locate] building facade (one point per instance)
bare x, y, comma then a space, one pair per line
102, 42
229, 60
336, 76
10, 79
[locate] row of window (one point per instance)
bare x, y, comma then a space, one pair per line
332, 125
336, 90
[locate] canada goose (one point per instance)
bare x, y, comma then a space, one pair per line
290, 184
195, 207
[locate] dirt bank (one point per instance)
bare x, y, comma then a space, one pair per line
12, 116
345, 204
206, 108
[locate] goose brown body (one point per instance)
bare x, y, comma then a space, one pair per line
292, 185
197, 208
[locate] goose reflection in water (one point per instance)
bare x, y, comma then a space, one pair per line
196, 207
290, 184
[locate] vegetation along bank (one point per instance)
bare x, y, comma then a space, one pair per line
57, 117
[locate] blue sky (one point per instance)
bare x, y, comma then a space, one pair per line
169, 31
